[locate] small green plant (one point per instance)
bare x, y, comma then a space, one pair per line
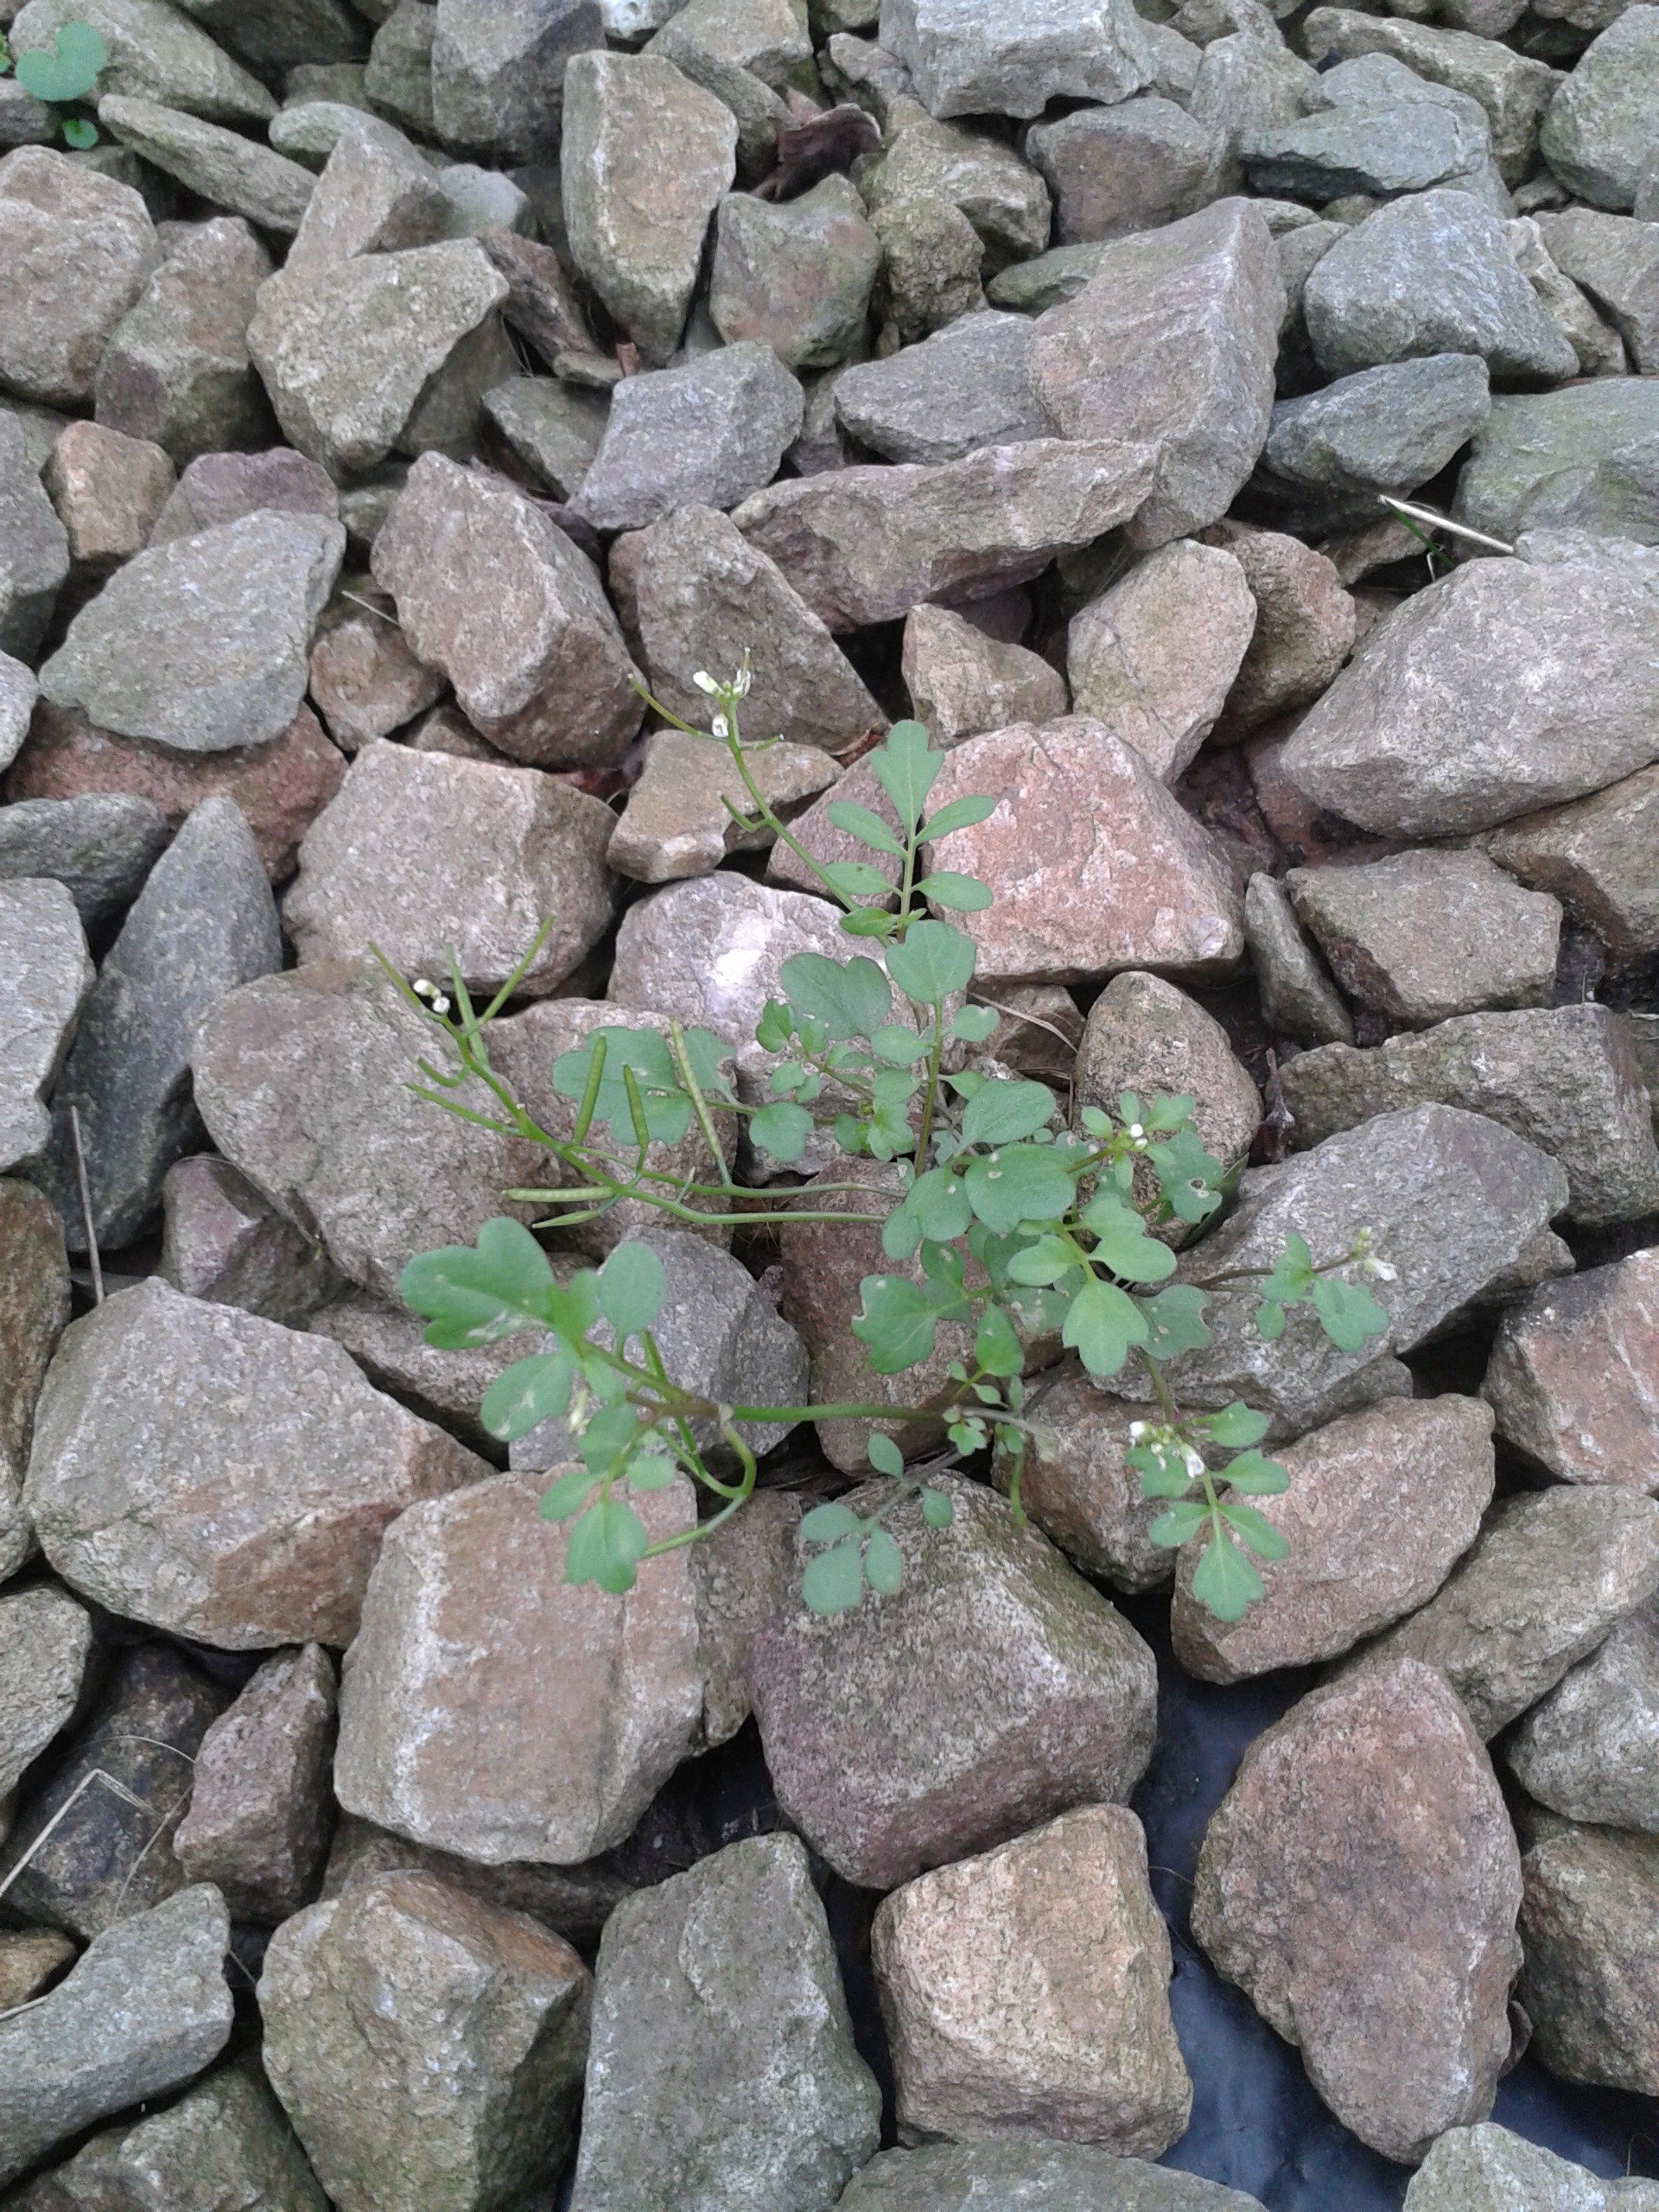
1003, 1222
63, 77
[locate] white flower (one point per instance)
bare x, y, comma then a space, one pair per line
704, 681
422, 989
1137, 1430
720, 726
1193, 1462
743, 679
439, 1004
1384, 1270
1136, 1130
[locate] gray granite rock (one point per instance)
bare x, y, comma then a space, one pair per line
110, 1855
398, 77
640, 247
555, 429
1003, 199
968, 58
376, 195
1298, 996
1564, 1079
1583, 458
156, 53
145, 2009
1173, 338
231, 172
34, 549
490, 591
1426, 935
1615, 260
1598, 135
222, 1242
154, 1509
1590, 1748
177, 368
202, 643
1508, 685
491, 1707
349, 353
1488, 2169
1049, 2176
965, 387
464, 2095
1384, 148
204, 924
1456, 1205
1384, 430
79, 247
698, 596
45, 1640
996, 1689
962, 683
1115, 170
18, 692
260, 1810
1245, 83
426, 857
1431, 274
865, 545
224, 2136
796, 275
678, 823
1515, 89
45, 974
291, 38
1552, 1574
1587, 1983
33, 1313
302, 1080
1573, 1376
497, 73
724, 1976
1360, 1882
708, 434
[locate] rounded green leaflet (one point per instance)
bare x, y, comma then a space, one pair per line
1103, 1322
884, 1455
827, 1524
69, 72
1224, 1581
568, 1495
936, 1508
530, 1392
781, 1130
78, 132
475, 1295
884, 1564
632, 1288
851, 998
933, 961
834, 1581
960, 894
906, 767
1003, 1112
606, 1545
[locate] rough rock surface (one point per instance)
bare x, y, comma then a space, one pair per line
34, 1313
303, 1081
45, 1642
110, 1852
469, 1630
1135, 884
962, 683
258, 1826
44, 979
1574, 1375
204, 924
1504, 687
203, 643
491, 592
100, 847
1172, 342
1487, 2168
427, 2047
1590, 1750
1588, 1983
1144, 1035
1360, 1882
225, 2136
1380, 1505
81, 247
708, 434
35, 559
1030, 1988
423, 856
1051, 2176
1078, 1488
698, 595
722, 2070
1554, 1573
145, 2009
1564, 1079
995, 1690
1428, 935
1593, 854
246, 1508
867, 544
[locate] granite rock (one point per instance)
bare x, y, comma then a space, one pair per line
177, 369
222, 1242
497, 73
151, 1508
995, 1690
108, 490
221, 166
722, 2070
45, 1640
1360, 1882
707, 434
490, 1708
45, 974
962, 682
34, 1313
1030, 1988
797, 277
965, 387
1299, 998
1583, 458
80, 248
1588, 1983
554, 428
1598, 135
34, 549
968, 59
1590, 1748
1574, 1376
1050, 2178
1135, 166
1488, 2169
